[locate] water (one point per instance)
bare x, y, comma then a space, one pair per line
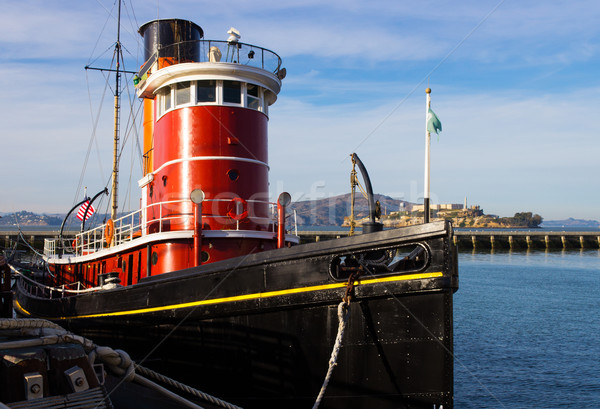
527, 330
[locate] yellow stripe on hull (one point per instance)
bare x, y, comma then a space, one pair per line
254, 296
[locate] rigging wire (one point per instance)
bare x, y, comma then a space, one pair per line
131, 124
92, 137
135, 143
94, 132
130, 128
101, 55
135, 26
369, 273
110, 13
98, 39
426, 78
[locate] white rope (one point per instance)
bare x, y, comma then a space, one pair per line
188, 389
58, 289
343, 310
19, 323
149, 384
117, 361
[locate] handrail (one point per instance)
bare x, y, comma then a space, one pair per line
134, 225
61, 289
199, 51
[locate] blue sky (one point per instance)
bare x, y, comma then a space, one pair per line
515, 85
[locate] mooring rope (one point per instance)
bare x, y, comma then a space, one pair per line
188, 389
117, 361
342, 312
49, 288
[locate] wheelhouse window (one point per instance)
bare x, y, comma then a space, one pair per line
164, 100
211, 92
232, 92
182, 93
206, 91
167, 98
252, 96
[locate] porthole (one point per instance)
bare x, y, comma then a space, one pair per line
204, 256
154, 258
233, 174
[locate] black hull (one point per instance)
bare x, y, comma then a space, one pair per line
258, 330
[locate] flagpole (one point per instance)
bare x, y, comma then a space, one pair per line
427, 144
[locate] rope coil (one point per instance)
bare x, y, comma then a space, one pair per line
117, 361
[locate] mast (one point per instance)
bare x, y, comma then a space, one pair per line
115, 172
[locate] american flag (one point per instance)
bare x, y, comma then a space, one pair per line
82, 208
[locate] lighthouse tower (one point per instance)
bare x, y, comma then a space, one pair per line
205, 128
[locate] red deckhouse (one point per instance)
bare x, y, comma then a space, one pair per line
205, 128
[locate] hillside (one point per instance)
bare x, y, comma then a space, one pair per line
25, 218
332, 211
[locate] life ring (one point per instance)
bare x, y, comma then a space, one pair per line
109, 230
234, 206
77, 242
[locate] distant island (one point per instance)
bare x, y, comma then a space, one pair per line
335, 211
472, 218
570, 222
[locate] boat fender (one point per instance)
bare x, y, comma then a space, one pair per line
234, 207
109, 230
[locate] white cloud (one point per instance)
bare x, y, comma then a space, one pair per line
511, 98
503, 151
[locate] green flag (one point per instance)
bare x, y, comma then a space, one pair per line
433, 123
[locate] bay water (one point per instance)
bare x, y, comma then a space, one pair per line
527, 330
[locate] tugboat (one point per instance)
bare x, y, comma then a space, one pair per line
204, 284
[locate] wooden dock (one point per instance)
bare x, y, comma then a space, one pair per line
497, 239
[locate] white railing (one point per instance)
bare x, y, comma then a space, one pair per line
164, 216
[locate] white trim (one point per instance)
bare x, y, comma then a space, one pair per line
247, 234
292, 238
146, 239
172, 235
145, 180
160, 98
195, 158
211, 71
238, 234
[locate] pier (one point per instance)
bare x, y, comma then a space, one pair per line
529, 239
465, 239
34, 238
497, 239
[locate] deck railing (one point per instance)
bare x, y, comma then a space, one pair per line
175, 215
206, 51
